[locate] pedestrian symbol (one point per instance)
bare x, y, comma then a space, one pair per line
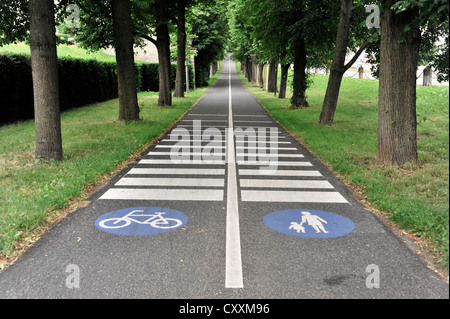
138, 221
309, 223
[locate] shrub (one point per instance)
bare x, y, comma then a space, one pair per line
81, 82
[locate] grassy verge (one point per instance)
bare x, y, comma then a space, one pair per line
415, 197
63, 51
95, 145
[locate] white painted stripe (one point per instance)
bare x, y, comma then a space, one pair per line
209, 161
193, 182
249, 121
250, 115
265, 148
263, 172
181, 145
268, 142
208, 120
233, 259
267, 128
176, 171
207, 126
267, 155
163, 194
205, 114
185, 141
291, 196
277, 183
278, 163
190, 153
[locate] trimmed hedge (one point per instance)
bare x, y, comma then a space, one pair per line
81, 82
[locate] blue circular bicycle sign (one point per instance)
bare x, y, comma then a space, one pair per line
140, 221
309, 223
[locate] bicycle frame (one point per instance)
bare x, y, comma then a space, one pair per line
147, 221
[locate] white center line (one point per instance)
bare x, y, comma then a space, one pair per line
233, 262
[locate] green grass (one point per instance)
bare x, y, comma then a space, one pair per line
94, 144
415, 196
63, 51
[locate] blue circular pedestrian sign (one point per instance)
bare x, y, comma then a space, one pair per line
309, 223
139, 221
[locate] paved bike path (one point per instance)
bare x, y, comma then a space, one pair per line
231, 246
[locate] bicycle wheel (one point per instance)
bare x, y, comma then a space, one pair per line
113, 223
166, 223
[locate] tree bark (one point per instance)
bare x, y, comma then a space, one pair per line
272, 79
181, 50
299, 83
283, 83
337, 66
399, 55
260, 74
126, 77
44, 64
163, 46
248, 66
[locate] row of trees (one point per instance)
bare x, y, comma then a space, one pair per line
121, 24
315, 33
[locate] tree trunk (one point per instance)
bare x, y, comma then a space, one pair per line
337, 67
181, 49
260, 74
283, 83
272, 78
163, 46
44, 64
399, 54
126, 77
248, 66
299, 83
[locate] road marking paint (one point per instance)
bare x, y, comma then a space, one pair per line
163, 194
278, 163
249, 115
278, 183
267, 155
190, 153
259, 172
175, 171
172, 145
205, 114
233, 259
196, 182
291, 196
209, 161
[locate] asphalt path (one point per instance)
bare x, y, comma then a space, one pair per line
263, 219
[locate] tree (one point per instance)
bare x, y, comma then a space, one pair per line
181, 49
149, 19
163, 46
123, 40
399, 56
338, 66
44, 64
210, 36
110, 24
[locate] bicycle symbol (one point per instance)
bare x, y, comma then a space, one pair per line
137, 221
155, 220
